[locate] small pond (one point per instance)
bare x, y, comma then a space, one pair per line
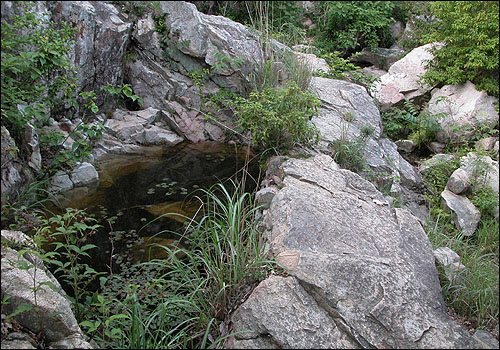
137, 190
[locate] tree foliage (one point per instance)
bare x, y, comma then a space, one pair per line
353, 25
470, 32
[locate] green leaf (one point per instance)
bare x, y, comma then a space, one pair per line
115, 317
87, 247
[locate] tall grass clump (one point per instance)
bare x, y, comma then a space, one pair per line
475, 294
221, 258
277, 62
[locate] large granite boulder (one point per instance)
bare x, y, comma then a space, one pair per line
195, 41
348, 113
19, 272
146, 127
462, 109
211, 38
361, 274
402, 81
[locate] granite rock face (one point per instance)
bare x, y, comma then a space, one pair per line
56, 316
361, 274
462, 108
402, 79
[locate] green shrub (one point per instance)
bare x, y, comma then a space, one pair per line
278, 118
486, 200
36, 72
410, 123
353, 25
470, 31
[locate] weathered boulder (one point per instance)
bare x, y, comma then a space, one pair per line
436, 147
146, 127
346, 108
348, 113
211, 38
379, 57
406, 146
459, 181
32, 147
361, 274
195, 41
54, 310
465, 215
483, 172
265, 195
449, 262
269, 309
314, 62
84, 174
486, 340
462, 108
486, 144
60, 182
373, 71
402, 79
18, 340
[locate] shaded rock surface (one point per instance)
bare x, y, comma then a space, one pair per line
13, 173
103, 34
379, 57
365, 269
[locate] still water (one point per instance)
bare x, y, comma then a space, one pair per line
136, 191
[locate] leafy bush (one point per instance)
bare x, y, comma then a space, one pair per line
409, 122
470, 31
486, 200
278, 118
353, 25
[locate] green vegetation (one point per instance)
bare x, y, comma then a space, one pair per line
278, 118
172, 302
340, 68
36, 73
470, 32
349, 26
410, 122
350, 154
39, 83
476, 295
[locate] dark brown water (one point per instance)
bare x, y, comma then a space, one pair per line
136, 191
